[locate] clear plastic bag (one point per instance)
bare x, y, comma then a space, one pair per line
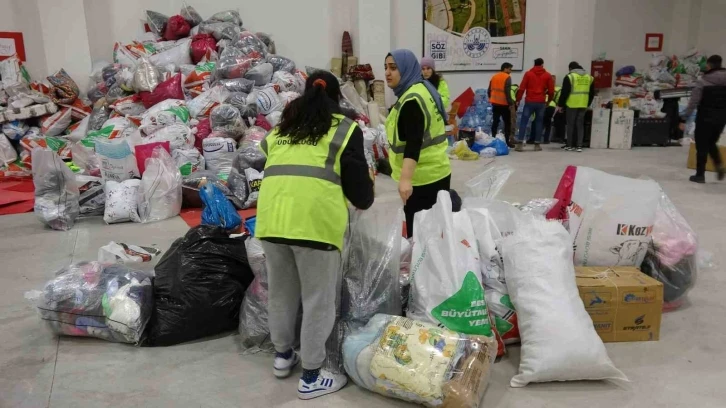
261, 74
146, 76
419, 362
253, 327
281, 63
227, 118
228, 16
539, 206
190, 15
92, 199
250, 44
193, 183
269, 42
98, 116
156, 21
489, 182
91, 299
230, 67
215, 28
249, 154
237, 85
160, 195
672, 256
56, 191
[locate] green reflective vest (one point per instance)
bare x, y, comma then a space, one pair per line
580, 93
558, 91
514, 88
301, 196
445, 94
433, 163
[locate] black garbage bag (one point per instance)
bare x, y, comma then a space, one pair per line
199, 286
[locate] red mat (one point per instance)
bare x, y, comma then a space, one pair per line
16, 197
193, 216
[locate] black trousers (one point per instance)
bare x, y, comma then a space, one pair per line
502, 112
708, 131
546, 124
560, 125
423, 198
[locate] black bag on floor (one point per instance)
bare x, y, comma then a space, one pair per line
199, 286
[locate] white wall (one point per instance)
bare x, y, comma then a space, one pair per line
712, 30
621, 25
23, 16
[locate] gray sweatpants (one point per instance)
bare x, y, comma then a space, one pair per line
313, 276
575, 124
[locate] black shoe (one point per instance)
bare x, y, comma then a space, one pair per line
511, 145
565, 147
720, 173
698, 179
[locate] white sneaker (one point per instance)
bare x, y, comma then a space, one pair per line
283, 367
327, 383
579, 150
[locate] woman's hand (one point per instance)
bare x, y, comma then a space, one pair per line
405, 189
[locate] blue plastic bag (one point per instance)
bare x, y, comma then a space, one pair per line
218, 210
626, 70
500, 146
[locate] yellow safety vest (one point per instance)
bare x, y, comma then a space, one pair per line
433, 163
301, 196
580, 92
556, 100
445, 94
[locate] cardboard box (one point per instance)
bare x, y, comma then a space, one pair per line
709, 164
600, 135
621, 129
624, 303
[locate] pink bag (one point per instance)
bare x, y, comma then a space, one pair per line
563, 194
204, 129
201, 45
262, 122
176, 28
145, 151
169, 89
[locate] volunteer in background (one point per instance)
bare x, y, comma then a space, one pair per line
578, 91
315, 161
417, 136
513, 110
550, 112
428, 69
709, 97
540, 88
500, 96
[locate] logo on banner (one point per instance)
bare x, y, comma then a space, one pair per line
438, 50
477, 42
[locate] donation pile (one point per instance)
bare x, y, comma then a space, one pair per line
205, 92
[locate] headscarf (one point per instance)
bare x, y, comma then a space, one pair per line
410, 70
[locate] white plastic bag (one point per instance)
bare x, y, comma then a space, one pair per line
611, 218
160, 195
559, 342
7, 151
219, 153
268, 100
446, 277
118, 162
15, 129
254, 181
203, 104
122, 201
126, 254
178, 135
176, 55
57, 123
188, 160
79, 130
56, 191
163, 114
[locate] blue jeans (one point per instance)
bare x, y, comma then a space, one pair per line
538, 108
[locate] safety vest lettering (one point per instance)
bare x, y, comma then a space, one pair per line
284, 141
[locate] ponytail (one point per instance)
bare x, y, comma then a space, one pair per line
310, 117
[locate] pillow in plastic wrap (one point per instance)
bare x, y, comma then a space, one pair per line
160, 193
281, 63
228, 119
121, 201
261, 74
56, 191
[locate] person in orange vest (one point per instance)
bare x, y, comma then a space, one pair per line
500, 97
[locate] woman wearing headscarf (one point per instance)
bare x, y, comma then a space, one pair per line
315, 164
417, 136
428, 69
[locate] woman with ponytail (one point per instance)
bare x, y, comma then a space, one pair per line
315, 165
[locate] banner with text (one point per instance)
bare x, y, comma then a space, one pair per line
474, 35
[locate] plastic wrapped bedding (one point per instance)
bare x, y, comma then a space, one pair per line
419, 362
371, 267
91, 299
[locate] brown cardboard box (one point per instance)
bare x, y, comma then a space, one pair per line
709, 164
624, 303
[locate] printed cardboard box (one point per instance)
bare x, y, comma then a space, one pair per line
624, 303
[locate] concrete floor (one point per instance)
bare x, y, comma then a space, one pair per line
684, 369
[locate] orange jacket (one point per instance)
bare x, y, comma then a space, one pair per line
499, 89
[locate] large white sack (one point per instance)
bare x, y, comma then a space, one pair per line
446, 277
559, 342
611, 218
160, 194
7, 151
219, 153
121, 201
